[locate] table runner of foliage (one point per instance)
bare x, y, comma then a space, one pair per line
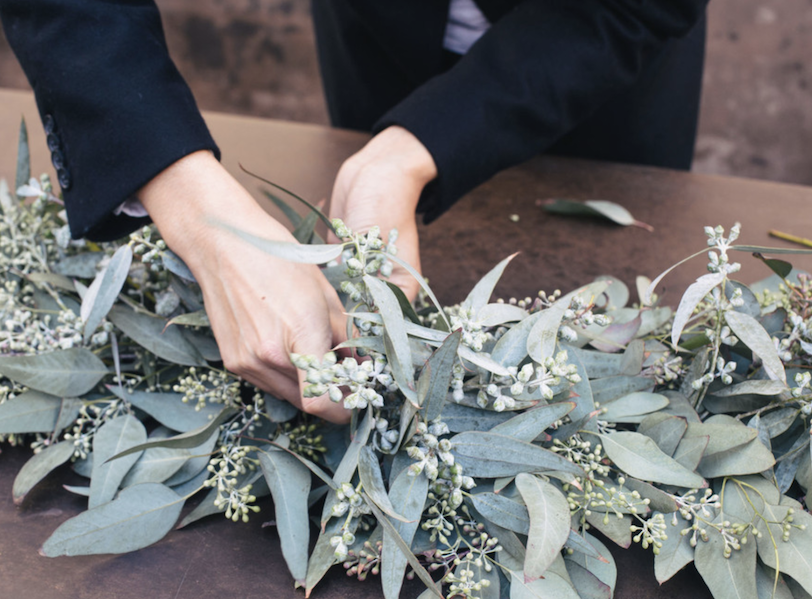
488, 441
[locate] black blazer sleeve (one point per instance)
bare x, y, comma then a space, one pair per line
540, 70
115, 108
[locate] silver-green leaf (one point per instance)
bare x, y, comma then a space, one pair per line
64, 373
549, 522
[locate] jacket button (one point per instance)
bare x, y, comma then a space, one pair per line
58, 160
48, 124
63, 177
53, 142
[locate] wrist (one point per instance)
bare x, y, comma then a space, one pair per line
399, 148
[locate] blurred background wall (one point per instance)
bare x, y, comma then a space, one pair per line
257, 57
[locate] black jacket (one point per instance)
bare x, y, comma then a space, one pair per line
614, 79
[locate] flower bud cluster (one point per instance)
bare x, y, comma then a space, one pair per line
228, 468
719, 262
364, 381
666, 369
150, 252
474, 334
384, 439
26, 332
364, 562
723, 371
91, 418
201, 386
303, 440
350, 502
651, 533
428, 450
365, 253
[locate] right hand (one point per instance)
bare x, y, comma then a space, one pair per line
261, 308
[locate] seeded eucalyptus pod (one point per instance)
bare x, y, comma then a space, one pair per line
494, 447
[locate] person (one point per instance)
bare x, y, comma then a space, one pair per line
454, 91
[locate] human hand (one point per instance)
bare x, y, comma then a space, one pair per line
381, 185
261, 308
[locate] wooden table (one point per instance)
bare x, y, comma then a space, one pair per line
216, 558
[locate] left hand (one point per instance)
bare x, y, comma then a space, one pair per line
381, 185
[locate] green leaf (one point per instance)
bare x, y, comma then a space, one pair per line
114, 437
586, 583
752, 387
601, 565
395, 331
766, 579
492, 315
23, 158
140, 516
666, 430
405, 305
689, 451
676, 552
613, 528
278, 410
779, 267
369, 472
752, 334
528, 425
434, 381
461, 418
174, 264
549, 522
198, 460
750, 458
293, 252
303, 232
103, 291
724, 433
64, 373
489, 455
695, 293
150, 332
633, 407
794, 556
646, 299
511, 348
408, 496
552, 585
600, 208
156, 465
169, 408
481, 293
639, 456
659, 501
191, 319
30, 412
502, 511
39, 466
323, 555
607, 389
727, 578
81, 265
186, 440
768, 250
294, 217
289, 481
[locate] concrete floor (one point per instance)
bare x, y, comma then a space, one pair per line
257, 57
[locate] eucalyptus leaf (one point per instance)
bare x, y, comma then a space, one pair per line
613, 528
64, 373
293, 252
549, 522
504, 512
169, 408
633, 407
511, 348
83, 266
102, 293
392, 315
493, 315
150, 332
552, 585
113, 437
139, 517
727, 578
186, 440
666, 430
278, 410
587, 584
488, 455
749, 458
23, 157
435, 379
601, 208
752, 387
408, 496
369, 472
607, 389
30, 412
289, 481
676, 552
156, 465
724, 433
639, 456
602, 565
481, 293
695, 293
753, 335
528, 425
39, 466
191, 319
793, 556
460, 418
198, 460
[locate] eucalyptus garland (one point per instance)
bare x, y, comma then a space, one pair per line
488, 442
